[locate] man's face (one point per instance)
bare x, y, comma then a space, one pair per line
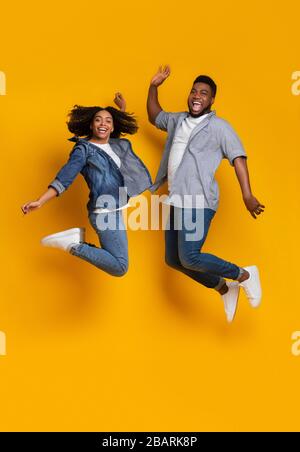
200, 99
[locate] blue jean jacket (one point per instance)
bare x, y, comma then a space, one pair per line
101, 173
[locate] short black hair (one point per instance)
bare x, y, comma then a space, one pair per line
208, 81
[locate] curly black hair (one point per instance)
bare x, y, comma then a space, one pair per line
81, 118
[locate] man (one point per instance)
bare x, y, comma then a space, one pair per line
197, 142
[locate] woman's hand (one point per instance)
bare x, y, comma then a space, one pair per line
34, 205
31, 206
120, 101
253, 205
161, 75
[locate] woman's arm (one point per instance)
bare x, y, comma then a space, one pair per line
34, 205
63, 180
241, 170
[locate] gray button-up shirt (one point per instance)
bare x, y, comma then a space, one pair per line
211, 141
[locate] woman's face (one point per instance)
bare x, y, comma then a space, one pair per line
102, 126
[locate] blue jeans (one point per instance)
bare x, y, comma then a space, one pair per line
112, 257
185, 255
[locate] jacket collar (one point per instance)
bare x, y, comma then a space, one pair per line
113, 142
202, 124
76, 139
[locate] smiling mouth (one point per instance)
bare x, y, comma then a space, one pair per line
102, 130
197, 105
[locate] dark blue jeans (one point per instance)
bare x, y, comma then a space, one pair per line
184, 240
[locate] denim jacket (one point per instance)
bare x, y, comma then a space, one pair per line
101, 173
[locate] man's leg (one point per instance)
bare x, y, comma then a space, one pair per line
228, 291
172, 259
192, 258
190, 254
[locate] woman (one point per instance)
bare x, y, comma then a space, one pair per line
113, 173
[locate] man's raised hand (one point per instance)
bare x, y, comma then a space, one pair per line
161, 75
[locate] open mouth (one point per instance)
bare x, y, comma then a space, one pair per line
102, 130
197, 106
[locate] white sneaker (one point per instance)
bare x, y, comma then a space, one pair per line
65, 239
230, 300
252, 286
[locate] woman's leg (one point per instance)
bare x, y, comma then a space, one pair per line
112, 257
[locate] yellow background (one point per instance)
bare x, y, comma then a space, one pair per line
152, 350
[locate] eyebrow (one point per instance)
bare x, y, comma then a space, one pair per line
201, 90
105, 117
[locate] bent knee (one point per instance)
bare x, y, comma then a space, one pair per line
172, 261
190, 260
122, 268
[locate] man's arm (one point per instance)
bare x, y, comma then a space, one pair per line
242, 173
153, 105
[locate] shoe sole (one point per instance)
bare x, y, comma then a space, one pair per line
236, 307
254, 270
237, 303
62, 235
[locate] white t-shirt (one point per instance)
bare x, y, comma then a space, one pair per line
177, 152
179, 145
107, 148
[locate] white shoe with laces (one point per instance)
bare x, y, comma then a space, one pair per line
65, 239
230, 300
252, 286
